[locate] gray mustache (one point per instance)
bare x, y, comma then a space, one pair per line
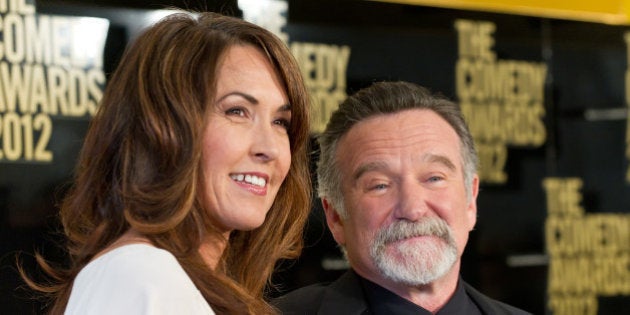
401, 230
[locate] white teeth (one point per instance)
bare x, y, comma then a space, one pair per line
252, 179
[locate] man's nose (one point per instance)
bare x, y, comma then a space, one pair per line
411, 205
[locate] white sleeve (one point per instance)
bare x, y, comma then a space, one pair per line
135, 279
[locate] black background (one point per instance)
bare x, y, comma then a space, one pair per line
586, 64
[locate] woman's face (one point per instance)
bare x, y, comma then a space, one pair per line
246, 151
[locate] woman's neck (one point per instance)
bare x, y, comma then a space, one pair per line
212, 249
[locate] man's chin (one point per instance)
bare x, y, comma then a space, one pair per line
415, 265
426, 247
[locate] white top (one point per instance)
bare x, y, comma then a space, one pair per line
135, 279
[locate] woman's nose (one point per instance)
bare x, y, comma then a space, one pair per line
265, 142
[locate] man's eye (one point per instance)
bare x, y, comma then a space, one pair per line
435, 179
378, 187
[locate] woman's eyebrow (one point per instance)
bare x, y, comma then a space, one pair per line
285, 108
253, 100
246, 96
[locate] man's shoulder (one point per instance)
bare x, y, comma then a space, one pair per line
309, 291
343, 293
489, 305
302, 300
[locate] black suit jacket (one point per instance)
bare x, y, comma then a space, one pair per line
345, 296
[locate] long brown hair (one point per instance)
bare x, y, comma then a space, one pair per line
140, 164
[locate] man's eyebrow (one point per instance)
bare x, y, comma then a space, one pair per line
437, 158
367, 167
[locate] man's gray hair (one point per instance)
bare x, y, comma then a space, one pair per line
385, 98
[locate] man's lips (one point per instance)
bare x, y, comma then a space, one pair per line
426, 237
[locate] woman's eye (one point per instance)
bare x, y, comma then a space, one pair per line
235, 111
283, 122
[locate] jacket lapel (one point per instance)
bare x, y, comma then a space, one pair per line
344, 296
482, 301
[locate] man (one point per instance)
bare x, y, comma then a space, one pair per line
398, 181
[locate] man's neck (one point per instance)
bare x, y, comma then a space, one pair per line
432, 296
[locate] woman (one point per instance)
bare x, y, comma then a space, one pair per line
193, 179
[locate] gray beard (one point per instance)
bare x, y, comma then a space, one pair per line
414, 263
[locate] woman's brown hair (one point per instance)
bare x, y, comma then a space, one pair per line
140, 165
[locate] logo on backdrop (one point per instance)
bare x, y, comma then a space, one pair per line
502, 100
51, 68
324, 66
589, 253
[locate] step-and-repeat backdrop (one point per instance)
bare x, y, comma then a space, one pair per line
546, 100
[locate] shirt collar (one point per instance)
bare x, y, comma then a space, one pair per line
382, 301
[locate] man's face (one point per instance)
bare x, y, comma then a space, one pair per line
405, 196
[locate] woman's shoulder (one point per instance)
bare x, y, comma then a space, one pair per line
134, 262
135, 278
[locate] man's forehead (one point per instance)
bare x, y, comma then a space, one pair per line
381, 140
380, 165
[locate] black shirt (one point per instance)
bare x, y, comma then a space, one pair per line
384, 302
